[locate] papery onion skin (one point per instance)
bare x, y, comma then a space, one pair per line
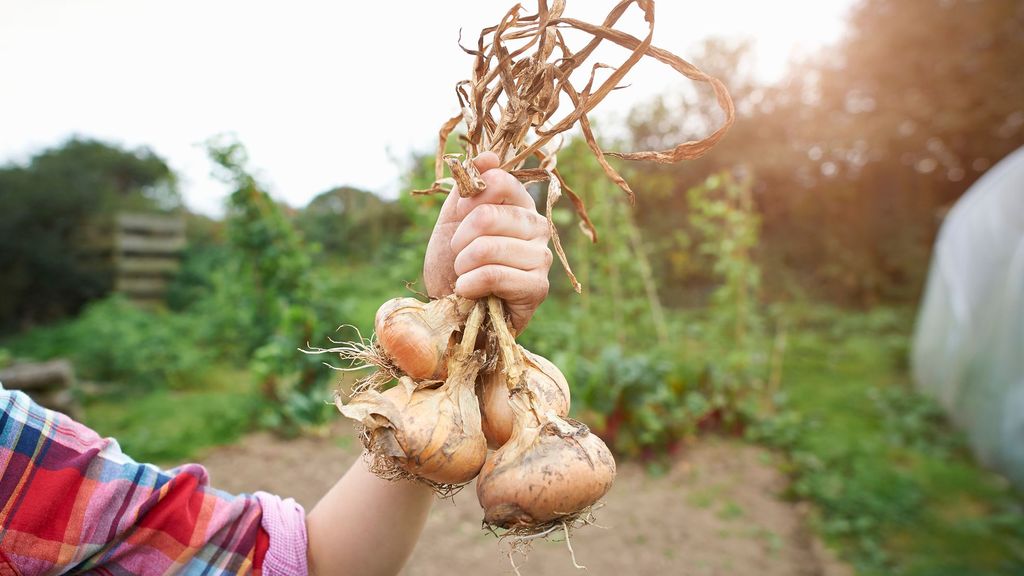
430, 433
436, 444
416, 336
544, 379
541, 475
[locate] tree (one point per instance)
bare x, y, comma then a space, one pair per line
46, 205
269, 279
351, 224
858, 152
920, 99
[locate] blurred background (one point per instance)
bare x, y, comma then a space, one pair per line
190, 193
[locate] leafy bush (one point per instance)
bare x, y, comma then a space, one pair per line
268, 290
636, 401
113, 340
890, 479
46, 207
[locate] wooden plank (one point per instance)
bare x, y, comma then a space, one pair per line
150, 245
155, 224
141, 265
95, 244
55, 374
145, 285
149, 302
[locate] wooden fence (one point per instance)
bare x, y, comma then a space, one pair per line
141, 252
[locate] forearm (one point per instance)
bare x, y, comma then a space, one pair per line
365, 525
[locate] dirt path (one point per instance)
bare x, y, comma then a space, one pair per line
716, 512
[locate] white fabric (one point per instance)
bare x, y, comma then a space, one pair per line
968, 349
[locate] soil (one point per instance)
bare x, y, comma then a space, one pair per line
716, 511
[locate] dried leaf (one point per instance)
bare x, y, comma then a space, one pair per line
554, 193
521, 68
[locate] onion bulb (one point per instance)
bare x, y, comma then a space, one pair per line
426, 431
541, 377
550, 470
417, 336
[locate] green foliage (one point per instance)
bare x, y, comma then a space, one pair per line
170, 426
269, 284
893, 483
636, 401
722, 215
45, 209
642, 379
114, 341
205, 255
351, 225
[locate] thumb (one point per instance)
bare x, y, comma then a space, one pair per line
486, 161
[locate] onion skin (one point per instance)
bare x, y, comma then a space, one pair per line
431, 433
544, 379
416, 336
544, 472
433, 440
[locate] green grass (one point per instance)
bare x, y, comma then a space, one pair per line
170, 426
894, 484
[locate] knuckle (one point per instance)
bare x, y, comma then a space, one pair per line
539, 289
483, 249
545, 231
509, 181
547, 257
491, 214
483, 217
494, 179
540, 224
493, 276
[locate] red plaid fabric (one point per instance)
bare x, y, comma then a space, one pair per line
72, 503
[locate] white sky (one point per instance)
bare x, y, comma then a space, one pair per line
323, 93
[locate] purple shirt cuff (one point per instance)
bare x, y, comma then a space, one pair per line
285, 523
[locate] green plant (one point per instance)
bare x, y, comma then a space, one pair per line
891, 482
727, 226
115, 341
270, 281
632, 400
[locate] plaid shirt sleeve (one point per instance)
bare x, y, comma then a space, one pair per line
71, 502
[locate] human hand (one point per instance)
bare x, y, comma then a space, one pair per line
492, 244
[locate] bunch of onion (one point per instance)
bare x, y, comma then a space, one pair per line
421, 428
551, 469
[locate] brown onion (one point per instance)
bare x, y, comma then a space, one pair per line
417, 336
550, 470
541, 377
423, 430
427, 432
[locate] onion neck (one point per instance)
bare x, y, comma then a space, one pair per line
511, 356
465, 362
